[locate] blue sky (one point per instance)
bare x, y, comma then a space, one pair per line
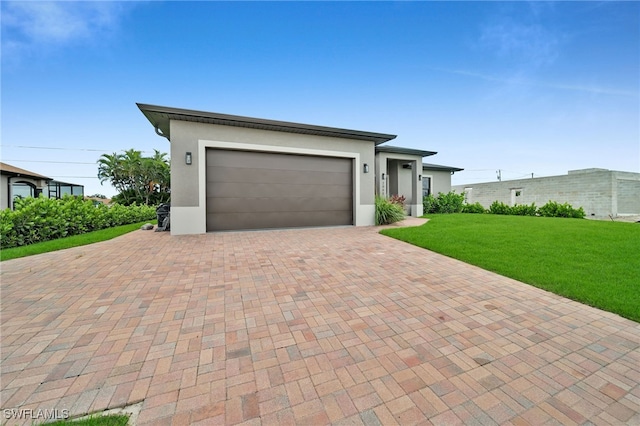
524, 87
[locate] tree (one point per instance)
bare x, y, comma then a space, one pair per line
138, 179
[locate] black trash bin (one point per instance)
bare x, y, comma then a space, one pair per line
163, 211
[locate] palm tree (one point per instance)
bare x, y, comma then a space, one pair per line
144, 180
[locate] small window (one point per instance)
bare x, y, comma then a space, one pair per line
426, 186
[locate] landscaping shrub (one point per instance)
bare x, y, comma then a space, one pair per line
398, 199
43, 219
498, 207
388, 212
551, 209
450, 202
443, 203
524, 210
554, 209
429, 204
473, 208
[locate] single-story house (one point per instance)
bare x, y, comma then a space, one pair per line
600, 192
16, 182
232, 172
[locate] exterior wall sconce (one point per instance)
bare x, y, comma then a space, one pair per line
188, 159
365, 168
383, 176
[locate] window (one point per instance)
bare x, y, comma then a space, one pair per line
23, 190
426, 185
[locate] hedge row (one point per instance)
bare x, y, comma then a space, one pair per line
551, 209
42, 219
455, 203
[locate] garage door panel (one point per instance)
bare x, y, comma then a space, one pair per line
235, 221
233, 174
248, 190
303, 204
275, 161
257, 190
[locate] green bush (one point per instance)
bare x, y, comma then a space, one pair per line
524, 209
551, 209
498, 207
429, 204
42, 219
554, 209
443, 203
388, 212
473, 208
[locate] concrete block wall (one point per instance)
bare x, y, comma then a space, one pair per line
628, 192
599, 192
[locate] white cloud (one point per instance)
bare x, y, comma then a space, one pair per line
527, 44
524, 81
33, 24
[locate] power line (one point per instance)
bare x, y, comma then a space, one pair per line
66, 149
42, 161
57, 148
75, 177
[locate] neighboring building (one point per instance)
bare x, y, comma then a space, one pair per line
599, 192
231, 172
57, 189
16, 182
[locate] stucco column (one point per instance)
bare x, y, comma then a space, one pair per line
416, 189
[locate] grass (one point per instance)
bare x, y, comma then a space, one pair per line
110, 420
593, 262
68, 242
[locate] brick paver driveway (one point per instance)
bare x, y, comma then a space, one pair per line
310, 326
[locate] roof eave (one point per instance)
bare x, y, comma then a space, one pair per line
439, 167
160, 117
405, 151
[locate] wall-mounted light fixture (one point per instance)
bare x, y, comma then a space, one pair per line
383, 176
188, 159
419, 177
365, 168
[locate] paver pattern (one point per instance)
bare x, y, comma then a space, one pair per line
309, 327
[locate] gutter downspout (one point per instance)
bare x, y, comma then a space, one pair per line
159, 132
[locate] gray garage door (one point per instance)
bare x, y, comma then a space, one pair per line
258, 190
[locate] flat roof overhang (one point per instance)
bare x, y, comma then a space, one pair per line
160, 117
405, 151
427, 166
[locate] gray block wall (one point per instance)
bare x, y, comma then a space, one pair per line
599, 192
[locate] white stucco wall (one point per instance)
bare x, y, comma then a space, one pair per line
6, 193
440, 181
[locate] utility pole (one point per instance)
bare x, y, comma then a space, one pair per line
499, 172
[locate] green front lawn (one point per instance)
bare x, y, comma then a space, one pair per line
110, 420
68, 242
593, 262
